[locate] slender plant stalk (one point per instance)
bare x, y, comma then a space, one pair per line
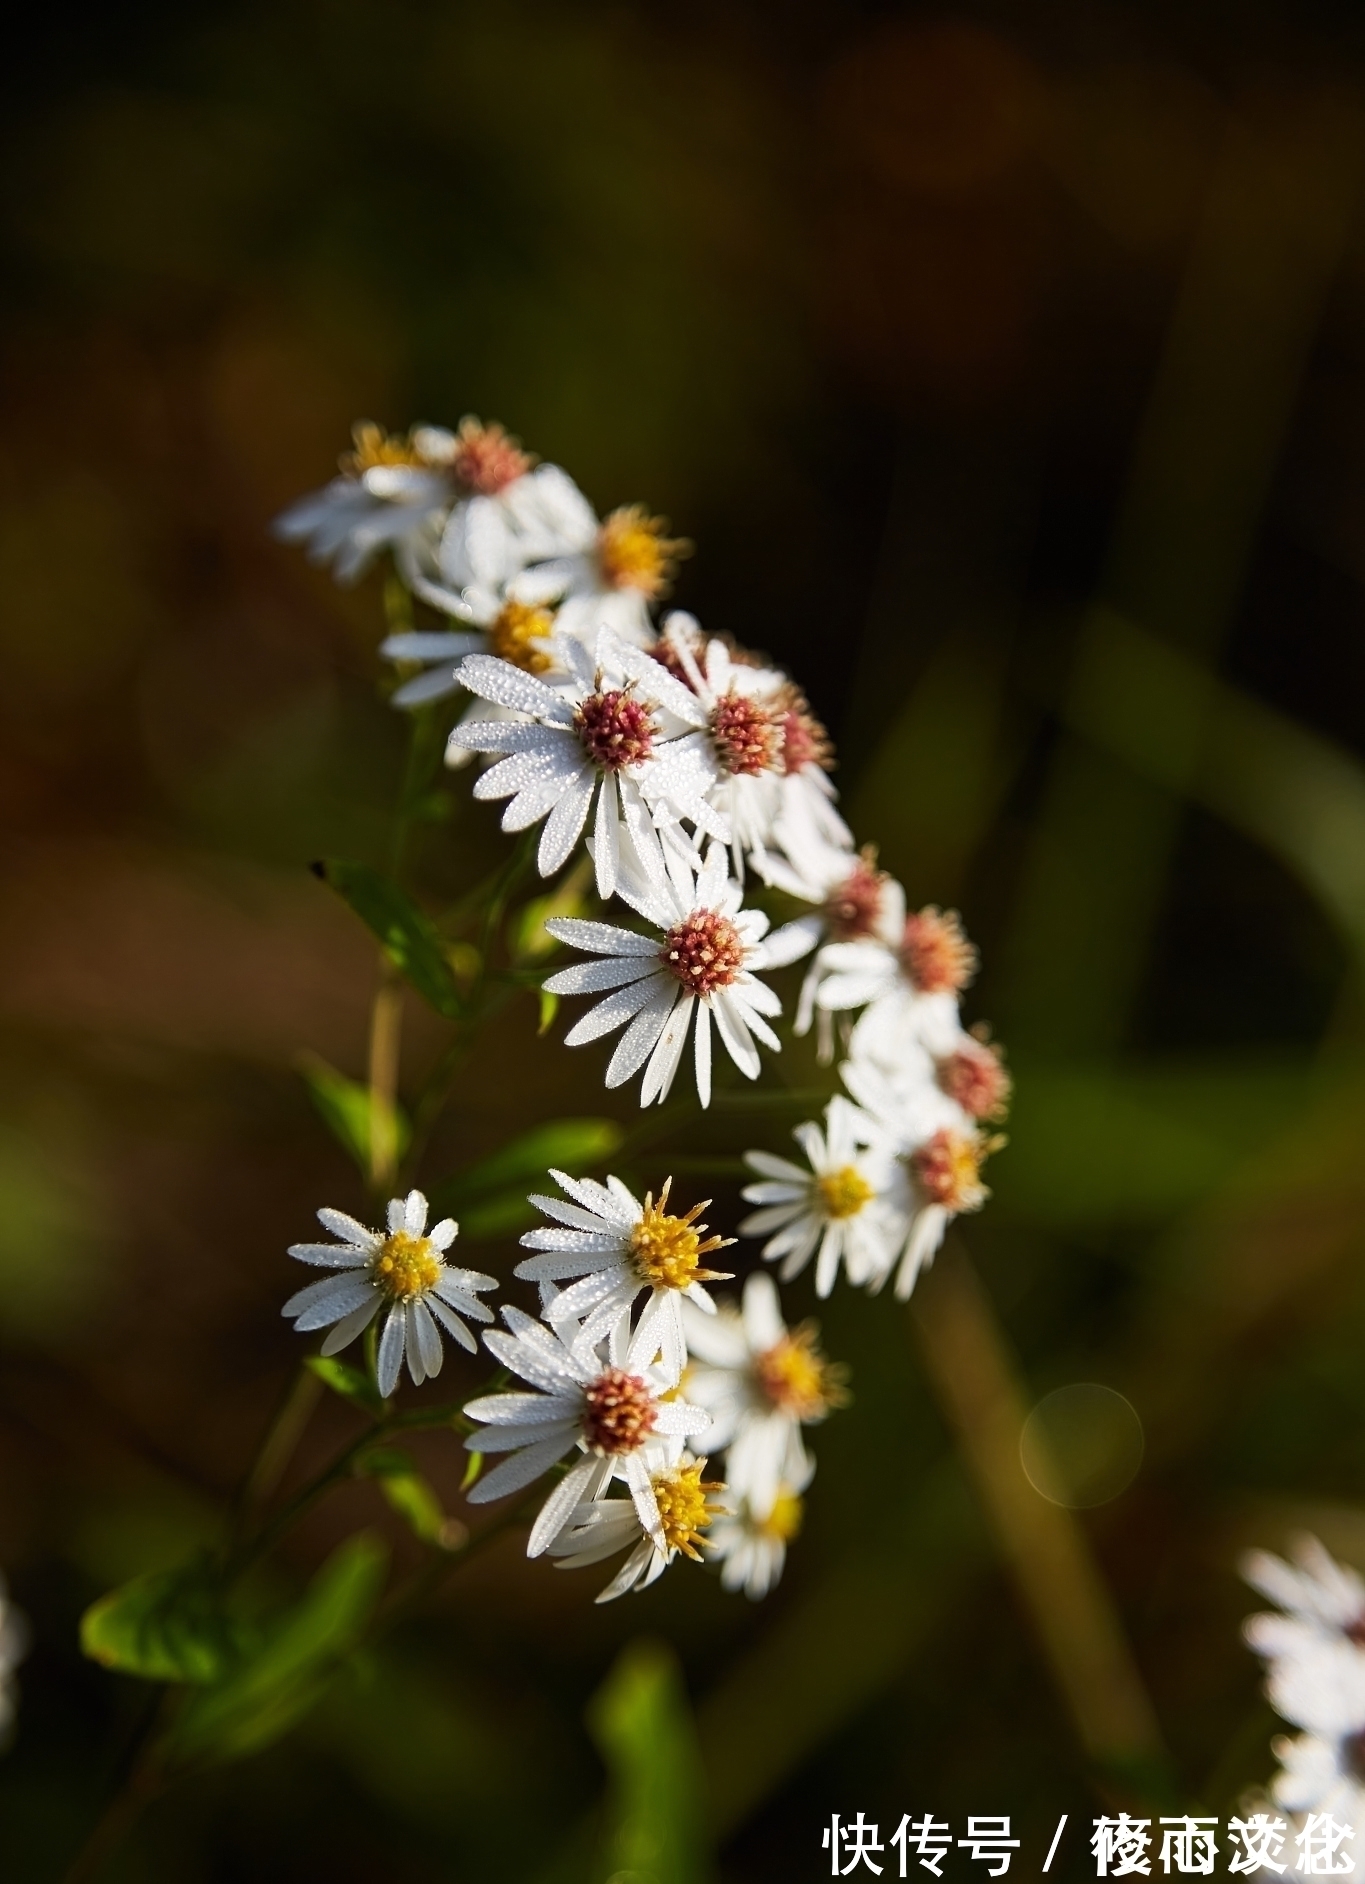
979, 1392
386, 1034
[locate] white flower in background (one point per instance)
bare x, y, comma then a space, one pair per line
852, 1203
753, 1550
599, 1528
908, 989
392, 492
1315, 1677
13, 1648
403, 1273
607, 574
607, 1410
962, 1085
702, 959
854, 901
761, 1382
587, 738
619, 1246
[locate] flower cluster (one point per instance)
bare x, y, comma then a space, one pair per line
687, 769
1314, 1650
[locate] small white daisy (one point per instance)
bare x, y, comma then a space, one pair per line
753, 1550
607, 574
607, 1410
599, 1528
852, 1204
404, 1273
703, 958
908, 990
761, 1382
619, 1247
391, 492
586, 738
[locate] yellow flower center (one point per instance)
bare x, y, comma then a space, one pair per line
844, 1193
667, 1249
406, 1265
516, 632
634, 553
373, 447
784, 1520
684, 1509
797, 1378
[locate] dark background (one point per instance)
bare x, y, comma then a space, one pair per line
1008, 368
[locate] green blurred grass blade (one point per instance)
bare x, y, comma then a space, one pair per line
411, 940
643, 1726
262, 1700
346, 1107
169, 1626
572, 1145
346, 1380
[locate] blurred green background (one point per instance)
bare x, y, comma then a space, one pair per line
1008, 368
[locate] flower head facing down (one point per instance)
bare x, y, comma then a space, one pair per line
402, 1273
620, 1247
753, 1549
972, 1074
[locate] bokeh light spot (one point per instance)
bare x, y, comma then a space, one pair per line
1081, 1445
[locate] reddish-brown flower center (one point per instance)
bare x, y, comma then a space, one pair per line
616, 729
974, 1075
665, 652
705, 951
746, 736
804, 740
948, 1169
853, 907
486, 459
619, 1412
935, 953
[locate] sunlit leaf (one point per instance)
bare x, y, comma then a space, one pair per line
408, 1493
572, 1145
169, 1626
348, 1381
299, 1653
643, 1726
346, 1108
411, 940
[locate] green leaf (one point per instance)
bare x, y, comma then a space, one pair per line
300, 1651
345, 1107
411, 940
168, 1626
346, 1380
409, 1494
572, 1145
471, 1471
643, 1726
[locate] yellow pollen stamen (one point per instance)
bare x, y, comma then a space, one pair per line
684, 1508
374, 447
796, 1377
784, 1520
844, 1193
516, 632
406, 1266
634, 553
667, 1249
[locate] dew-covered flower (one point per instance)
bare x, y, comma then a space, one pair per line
403, 1273
620, 1247
753, 1550
702, 959
601, 1527
391, 492
908, 990
851, 1202
607, 1410
761, 1382
593, 737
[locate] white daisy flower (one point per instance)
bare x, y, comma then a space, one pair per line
1315, 1649
909, 989
619, 1247
702, 958
761, 1382
608, 1411
855, 901
587, 738
961, 1084
391, 492
404, 1273
852, 1203
753, 1550
607, 574
13, 1648
599, 1528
